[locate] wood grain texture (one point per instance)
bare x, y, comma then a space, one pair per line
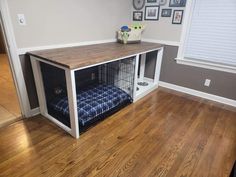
9, 105
165, 134
82, 56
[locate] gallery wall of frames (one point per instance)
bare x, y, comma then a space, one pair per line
153, 10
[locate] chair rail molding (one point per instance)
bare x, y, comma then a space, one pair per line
171, 43
23, 51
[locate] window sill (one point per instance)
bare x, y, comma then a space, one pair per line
206, 65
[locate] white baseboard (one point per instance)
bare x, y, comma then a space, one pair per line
35, 112
204, 95
22, 51
172, 43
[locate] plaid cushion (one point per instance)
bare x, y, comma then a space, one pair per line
93, 102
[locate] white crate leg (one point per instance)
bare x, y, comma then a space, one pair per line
158, 66
72, 100
39, 85
136, 76
142, 66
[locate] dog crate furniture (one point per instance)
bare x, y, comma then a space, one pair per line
78, 86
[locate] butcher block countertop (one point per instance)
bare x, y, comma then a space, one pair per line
82, 56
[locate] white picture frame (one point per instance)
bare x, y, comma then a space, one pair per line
152, 13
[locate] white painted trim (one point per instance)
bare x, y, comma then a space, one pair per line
185, 27
58, 123
142, 66
172, 43
35, 111
72, 100
206, 65
158, 66
136, 76
22, 51
14, 59
197, 93
39, 84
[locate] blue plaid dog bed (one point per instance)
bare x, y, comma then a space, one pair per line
93, 102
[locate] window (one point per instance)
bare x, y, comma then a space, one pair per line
211, 33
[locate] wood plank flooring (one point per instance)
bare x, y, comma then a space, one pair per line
9, 105
164, 134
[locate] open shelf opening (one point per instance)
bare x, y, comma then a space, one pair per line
146, 73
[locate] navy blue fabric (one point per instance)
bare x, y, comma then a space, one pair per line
93, 102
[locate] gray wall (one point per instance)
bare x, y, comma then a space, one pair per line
67, 21
222, 83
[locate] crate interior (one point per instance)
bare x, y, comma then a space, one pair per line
101, 91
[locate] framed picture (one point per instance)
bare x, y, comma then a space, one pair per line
137, 16
151, 1
177, 3
177, 17
166, 12
138, 4
162, 2
152, 12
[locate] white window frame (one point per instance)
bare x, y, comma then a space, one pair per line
184, 36
14, 59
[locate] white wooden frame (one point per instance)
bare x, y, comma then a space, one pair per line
71, 87
71, 91
14, 59
142, 66
155, 81
185, 29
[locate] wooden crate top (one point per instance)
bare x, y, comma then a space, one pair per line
82, 56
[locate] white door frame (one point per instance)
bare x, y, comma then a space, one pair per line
14, 59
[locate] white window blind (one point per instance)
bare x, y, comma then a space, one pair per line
212, 32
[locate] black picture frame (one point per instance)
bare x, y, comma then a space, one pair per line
151, 1
177, 21
151, 18
135, 16
138, 7
166, 12
177, 3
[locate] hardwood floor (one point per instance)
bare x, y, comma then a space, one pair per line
9, 105
164, 134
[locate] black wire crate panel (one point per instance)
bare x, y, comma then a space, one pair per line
119, 73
